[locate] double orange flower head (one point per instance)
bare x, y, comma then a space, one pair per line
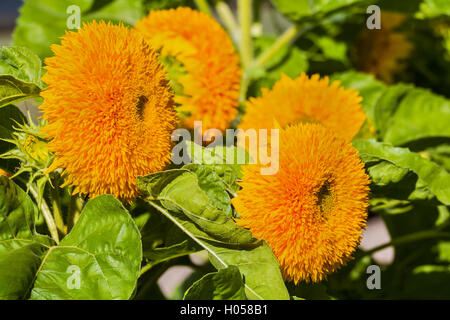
115, 122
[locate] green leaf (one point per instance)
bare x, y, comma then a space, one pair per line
179, 192
103, 251
20, 74
21, 248
43, 22
17, 211
212, 184
176, 194
19, 261
400, 113
260, 269
434, 8
162, 240
331, 48
289, 60
226, 162
226, 284
9, 116
429, 174
297, 10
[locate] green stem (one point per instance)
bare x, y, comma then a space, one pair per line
228, 20
57, 213
284, 39
422, 235
203, 6
245, 21
75, 207
47, 215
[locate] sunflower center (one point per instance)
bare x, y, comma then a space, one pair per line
325, 198
140, 106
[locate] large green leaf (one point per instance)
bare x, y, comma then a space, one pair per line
302, 9
42, 22
17, 211
178, 191
19, 261
176, 194
103, 251
21, 248
226, 284
20, 74
400, 113
430, 175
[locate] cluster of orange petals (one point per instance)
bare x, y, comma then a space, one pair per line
115, 121
306, 99
212, 79
312, 212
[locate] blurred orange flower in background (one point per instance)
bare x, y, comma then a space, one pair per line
382, 52
202, 62
305, 99
115, 122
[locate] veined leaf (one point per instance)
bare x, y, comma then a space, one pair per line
226, 284
21, 248
17, 211
20, 73
401, 113
433, 177
176, 194
99, 259
179, 192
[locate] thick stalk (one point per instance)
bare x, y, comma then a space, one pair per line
422, 235
47, 215
284, 39
245, 21
75, 207
57, 213
228, 20
203, 6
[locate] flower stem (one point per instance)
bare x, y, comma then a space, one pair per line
422, 235
285, 38
227, 18
47, 215
203, 6
245, 21
75, 207
59, 221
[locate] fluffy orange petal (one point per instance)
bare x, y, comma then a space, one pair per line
211, 85
109, 108
313, 211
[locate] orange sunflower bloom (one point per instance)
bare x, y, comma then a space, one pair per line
109, 108
382, 52
306, 100
312, 212
202, 63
